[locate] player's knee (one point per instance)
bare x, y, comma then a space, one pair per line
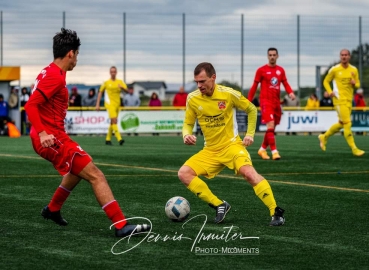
185, 174
94, 174
250, 175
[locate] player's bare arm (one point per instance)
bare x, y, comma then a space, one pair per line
98, 101
189, 139
46, 140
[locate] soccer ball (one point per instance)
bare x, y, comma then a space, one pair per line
177, 208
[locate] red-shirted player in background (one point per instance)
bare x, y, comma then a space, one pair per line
270, 76
47, 108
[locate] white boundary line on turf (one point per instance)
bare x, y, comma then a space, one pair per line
222, 176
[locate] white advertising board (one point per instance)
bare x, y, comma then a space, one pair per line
97, 122
305, 121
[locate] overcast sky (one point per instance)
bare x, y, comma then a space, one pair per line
154, 36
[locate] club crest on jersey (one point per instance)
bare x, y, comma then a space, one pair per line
274, 81
278, 72
221, 105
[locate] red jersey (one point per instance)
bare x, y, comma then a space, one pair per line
359, 100
270, 79
180, 99
48, 104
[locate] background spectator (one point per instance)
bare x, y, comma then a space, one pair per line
130, 99
312, 102
180, 98
326, 101
13, 98
4, 115
75, 99
359, 98
288, 102
154, 100
256, 102
90, 99
24, 97
359, 101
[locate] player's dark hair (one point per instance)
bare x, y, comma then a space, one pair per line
113, 67
65, 41
209, 69
272, 49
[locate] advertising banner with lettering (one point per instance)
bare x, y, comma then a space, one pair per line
360, 120
97, 122
151, 121
305, 121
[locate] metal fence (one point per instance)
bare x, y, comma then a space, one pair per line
167, 47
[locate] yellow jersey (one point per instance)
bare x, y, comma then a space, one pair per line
216, 116
312, 104
342, 87
112, 92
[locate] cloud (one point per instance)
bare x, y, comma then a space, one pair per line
154, 36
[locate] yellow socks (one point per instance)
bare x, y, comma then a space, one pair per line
201, 190
116, 131
333, 129
265, 193
108, 136
348, 135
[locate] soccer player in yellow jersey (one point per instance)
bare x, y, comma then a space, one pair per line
345, 78
214, 106
112, 88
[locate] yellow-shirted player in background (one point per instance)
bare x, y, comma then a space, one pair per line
112, 88
214, 107
345, 78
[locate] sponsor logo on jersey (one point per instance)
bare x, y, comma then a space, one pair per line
213, 121
274, 81
221, 105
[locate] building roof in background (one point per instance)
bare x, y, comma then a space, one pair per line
174, 87
151, 84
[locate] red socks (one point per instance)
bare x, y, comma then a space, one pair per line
115, 214
265, 141
271, 138
58, 199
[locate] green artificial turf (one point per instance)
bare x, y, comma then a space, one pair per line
325, 195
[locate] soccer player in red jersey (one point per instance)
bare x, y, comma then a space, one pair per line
47, 108
270, 76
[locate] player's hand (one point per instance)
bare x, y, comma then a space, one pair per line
97, 108
46, 140
248, 140
189, 139
332, 94
292, 96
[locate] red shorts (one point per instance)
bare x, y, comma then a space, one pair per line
66, 155
270, 113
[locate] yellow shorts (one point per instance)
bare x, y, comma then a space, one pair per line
113, 111
210, 163
344, 112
